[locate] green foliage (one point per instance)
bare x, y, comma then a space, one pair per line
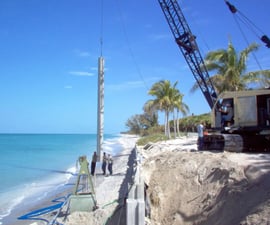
140, 123
167, 99
153, 130
230, 75
230, 69
151, 138
189, 123
134, 124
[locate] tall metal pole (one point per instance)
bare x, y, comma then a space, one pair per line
100, 110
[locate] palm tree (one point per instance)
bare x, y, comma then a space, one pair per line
231, 69
168, 98
180, 107
177, 106
161, 90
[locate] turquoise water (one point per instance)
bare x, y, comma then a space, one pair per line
36, 164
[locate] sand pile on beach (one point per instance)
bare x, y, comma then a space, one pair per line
186, 186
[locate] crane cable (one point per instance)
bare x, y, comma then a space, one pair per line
247, 42
250, 25
264, 38
101, 28
129, 45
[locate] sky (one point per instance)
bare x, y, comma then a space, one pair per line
50, 49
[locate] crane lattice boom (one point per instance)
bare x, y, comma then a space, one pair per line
188, 46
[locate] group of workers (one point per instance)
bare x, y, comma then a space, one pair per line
107, 160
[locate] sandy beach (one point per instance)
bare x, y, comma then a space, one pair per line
185, 186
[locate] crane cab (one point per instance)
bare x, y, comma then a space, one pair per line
250, 110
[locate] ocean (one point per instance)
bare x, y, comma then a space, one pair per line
34, 165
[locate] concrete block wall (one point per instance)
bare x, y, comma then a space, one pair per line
136, 201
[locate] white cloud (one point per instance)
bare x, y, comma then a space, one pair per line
125, 85
81, 53
132, 84
81, 73
157, 37
68, 87
94, 68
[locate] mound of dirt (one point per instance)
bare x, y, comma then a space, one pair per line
205, 188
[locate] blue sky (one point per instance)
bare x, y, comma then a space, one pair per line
49, 52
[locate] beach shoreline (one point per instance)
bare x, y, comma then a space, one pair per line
184, 186
32, 165
33, 203
127, 143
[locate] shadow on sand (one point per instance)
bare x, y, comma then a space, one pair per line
119, 215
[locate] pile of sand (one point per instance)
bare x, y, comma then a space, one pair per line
186, 186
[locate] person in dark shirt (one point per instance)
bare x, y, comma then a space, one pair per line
93, 163
104, 163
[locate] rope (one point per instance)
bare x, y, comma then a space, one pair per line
129, 46
110, 203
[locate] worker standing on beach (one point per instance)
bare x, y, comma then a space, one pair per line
110, 163
93, 163
200, 129
104, 163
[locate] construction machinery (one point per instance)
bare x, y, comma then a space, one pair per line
83, 197
247, 127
